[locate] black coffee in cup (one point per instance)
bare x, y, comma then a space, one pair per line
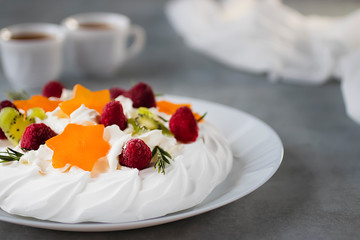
95, 25
23, 36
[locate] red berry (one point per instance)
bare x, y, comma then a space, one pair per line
35, 135
115, 92
135, 154
184, 125
142, 95
53, 89
113, 114
7, 103
2, 135
4, 104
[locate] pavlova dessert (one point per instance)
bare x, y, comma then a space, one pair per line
106, 156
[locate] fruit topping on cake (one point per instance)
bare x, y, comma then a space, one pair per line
142, 95
35, 135
84, 117
13, 124
170, 108
135, 154
53, 89
145, 120
83, 96
36, 112
116, 91
37, 101
113, 114
79, 146
2, 135
184, 125
4, 104
7, 103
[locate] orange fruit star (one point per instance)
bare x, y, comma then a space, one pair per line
78, 145
170, 108
37, 101
81, 95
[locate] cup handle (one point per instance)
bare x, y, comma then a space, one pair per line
139, 41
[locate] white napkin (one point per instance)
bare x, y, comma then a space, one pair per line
350, 85
265, 36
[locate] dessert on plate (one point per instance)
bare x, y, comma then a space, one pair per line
106, 156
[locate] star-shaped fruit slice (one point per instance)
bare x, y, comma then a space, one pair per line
81, 95
170, 108
78, 145
37, 101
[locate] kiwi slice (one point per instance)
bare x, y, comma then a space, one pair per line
146, 120
13, 124
36, 112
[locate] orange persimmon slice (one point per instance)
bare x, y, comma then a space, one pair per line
78, 145
81, 95
37, 101
170, 108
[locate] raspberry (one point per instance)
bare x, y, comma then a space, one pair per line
142, 95
7, 103
2, 135
35, 135
115, 92
3, 104
113, 114
135, 154
184, 125
53, 89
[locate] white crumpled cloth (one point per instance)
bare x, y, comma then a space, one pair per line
265, 36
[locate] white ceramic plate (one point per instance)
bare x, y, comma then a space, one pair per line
257, 150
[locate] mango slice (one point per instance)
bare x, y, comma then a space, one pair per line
37, 101
79, 145
170, 108
81, 95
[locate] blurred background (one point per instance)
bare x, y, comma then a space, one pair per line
316, 192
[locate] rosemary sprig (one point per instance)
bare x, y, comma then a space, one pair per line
17, 95
162, 158
10, 155
202, 117
163, 119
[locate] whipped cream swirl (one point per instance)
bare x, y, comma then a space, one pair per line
33, 188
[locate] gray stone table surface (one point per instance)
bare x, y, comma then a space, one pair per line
315, 194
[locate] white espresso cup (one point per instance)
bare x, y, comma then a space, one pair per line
97, 43
31, 53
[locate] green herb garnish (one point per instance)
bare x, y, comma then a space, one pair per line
10, 155
163, 119
17, 95
202, 117
162, 158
